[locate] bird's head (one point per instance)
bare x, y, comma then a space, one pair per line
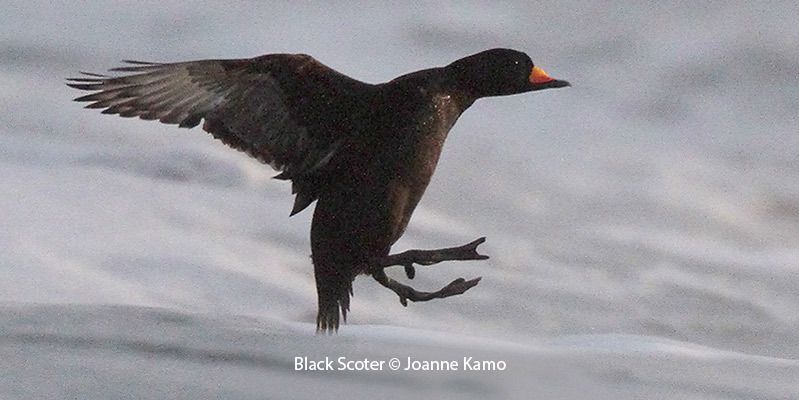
500, 72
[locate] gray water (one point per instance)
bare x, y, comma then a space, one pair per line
658, 196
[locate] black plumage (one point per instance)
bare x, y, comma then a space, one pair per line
365, 152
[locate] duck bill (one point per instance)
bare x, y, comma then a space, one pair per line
541, 80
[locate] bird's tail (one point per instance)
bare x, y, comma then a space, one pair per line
334, 288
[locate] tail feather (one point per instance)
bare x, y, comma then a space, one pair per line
334, 288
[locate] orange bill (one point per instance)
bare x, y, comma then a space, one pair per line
538, 76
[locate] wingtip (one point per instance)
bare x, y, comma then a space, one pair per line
138, 62
82, 86
96, 75
83, 83
136, 66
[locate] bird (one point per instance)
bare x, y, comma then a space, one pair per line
365, 153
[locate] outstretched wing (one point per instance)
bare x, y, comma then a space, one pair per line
287, 110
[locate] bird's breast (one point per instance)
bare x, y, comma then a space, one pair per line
426, 138
421, 150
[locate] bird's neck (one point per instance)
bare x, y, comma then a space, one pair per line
456, 88
439, 82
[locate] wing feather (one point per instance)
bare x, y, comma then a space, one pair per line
286, 110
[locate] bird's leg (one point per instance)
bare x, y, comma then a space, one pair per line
405, 292
426, 258
430, 257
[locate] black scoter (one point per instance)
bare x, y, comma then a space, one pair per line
364, 152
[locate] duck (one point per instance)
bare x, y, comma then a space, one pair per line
365, 153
